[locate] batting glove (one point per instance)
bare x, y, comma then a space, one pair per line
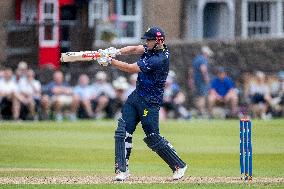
104, 61
105, 58
113, 52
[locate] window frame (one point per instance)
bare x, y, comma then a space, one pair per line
28, 11
274, 24
93, 15
120, 18
195, 14
54, 16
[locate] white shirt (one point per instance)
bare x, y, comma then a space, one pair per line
258, 88
30, 87
104, 88
84, 92
8, 86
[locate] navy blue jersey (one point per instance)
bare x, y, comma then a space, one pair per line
154, 66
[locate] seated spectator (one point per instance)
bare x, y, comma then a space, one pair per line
132, 86
1, 74
86, 95
120, 85
280, 97
173, 102
104, 93
259, 96
29, 94
277, 93
8, 96
222, 92
61, 95
21, 71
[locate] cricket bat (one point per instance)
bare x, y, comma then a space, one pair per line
88, 55
80, 56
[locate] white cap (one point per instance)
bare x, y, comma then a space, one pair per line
260, 74
22, 65
169, 79
172, 74
207, 50
101, 75
120, 83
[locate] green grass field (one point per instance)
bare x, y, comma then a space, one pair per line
85, 148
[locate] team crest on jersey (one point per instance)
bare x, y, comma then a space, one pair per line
145, 113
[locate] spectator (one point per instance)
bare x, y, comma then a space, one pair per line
173, 101
120, 85
1, 74
61, 95
259, 96
222, 92
132, 86
168, 105
105, 93
29, 94
174, 85
279, 99
8, 96
45, 105
21, 71
199, 79
86, 95
277, 93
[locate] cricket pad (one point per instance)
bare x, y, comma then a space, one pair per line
120, 134
165, 150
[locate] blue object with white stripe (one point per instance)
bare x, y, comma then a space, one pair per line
241, 148
250, 149
246, 148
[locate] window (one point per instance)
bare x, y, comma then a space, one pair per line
98, 11
48, 31
126, 12
28, 11
48, 8
118, 18
213, 19
48, 25
259, 18
262, 18
48, 21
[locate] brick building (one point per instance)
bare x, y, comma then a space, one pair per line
70, 25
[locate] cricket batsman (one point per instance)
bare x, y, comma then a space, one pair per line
144, 103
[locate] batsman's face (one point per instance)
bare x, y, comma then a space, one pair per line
150, 44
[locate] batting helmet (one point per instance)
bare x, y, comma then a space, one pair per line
154, 33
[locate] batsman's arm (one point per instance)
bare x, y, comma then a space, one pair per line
123, 66
139, 49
